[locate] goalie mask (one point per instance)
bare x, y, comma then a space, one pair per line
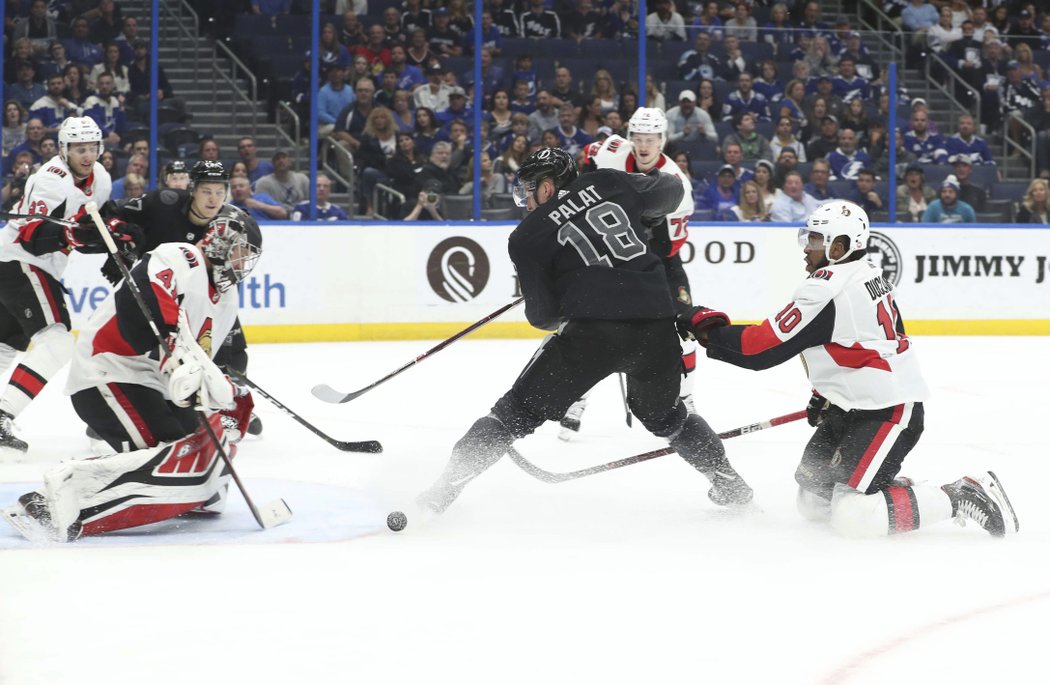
233, 245
833, 219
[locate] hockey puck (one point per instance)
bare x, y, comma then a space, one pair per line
396, 521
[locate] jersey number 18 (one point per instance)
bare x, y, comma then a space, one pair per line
610, 222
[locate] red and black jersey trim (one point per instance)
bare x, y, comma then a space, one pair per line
133, 328
757, 347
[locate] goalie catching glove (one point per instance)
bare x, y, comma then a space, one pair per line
694, 324
86, 238
192, 374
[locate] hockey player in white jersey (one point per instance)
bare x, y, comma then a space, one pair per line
33, 256
867, 403
143, 401
642, 152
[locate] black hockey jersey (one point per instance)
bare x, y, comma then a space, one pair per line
584, 253
164, 216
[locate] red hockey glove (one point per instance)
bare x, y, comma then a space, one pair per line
236, 420
694, 324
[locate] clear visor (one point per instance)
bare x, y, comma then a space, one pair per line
810, 240
521, 190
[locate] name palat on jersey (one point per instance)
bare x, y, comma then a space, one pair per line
569, 207
969, 266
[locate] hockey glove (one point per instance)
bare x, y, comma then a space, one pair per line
694, 324
236, 420
817, 409
192, 375
86, 238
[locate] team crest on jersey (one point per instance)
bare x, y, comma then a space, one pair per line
204, 337
884, 253
822, 274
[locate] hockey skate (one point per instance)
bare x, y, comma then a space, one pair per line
728, 488
983, 501
570, 423
690, 404
31, 517
9, 442
255, 426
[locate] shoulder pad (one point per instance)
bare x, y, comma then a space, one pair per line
168, 197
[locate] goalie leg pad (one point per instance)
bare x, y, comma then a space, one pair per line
136, 488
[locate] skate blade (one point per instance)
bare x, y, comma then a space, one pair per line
1004, 503
28, 527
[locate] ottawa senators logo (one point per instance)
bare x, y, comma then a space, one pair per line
204, 337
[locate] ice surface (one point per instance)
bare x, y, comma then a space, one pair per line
630, 576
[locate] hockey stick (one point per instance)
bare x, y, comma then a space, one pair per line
40, 217
623, 394
327, 393
551, 477
273, 513
372, 446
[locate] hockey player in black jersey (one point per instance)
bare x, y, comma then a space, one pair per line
587, 271
170, 215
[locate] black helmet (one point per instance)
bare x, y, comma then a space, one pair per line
208, 171
233, 245
175, 166
549, 162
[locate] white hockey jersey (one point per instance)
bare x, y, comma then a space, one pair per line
845, 323
618, 153
51, 191
116, 346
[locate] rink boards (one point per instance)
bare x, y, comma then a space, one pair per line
403, 281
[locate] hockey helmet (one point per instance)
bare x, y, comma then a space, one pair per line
833, 219
549, 162
233, 245
648, 120
176, 166
208, 171
75, 130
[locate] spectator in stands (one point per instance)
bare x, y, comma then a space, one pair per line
810, 129
973, 195
1025, 33
461, 21
208, 149
326, 211
387, 88
351, 34
48, 149
418, 53
14, 129
111, 64
492, 76
823, 87
628, 104
129, 34
378, 146
106, 110
820, 147
919, 16
134, 185
665, 23
257, 168
794, 204
443, 41
707, 99
734, 62
409, 76
22, 53
491, 183
428, 200
742, 25
615, 123
699, 63
139, 78
1030, 71
395, 35
914, 196
583, 22
176, 175
334, 97
436, 172
968, 144
511, 159
948, 208
763, 178
140, 146
462, 149
786, 162
981, 25
753, 145
499, 117
414, 16
964, 57
25, 91
539, 22
260, 206
271, 7
524, 70
427, 130
1000, 20
1035, 207
15, 182
877, 142
80, 48
570, 138
1020, 96
708, 21
864, 194
403, 169
375, 51
778, 31
458, 108
784, 138
563, 91
856, 119
433, 95
745, 99
591, 118
332, 52
38, 27
866, 66
733, 156
137, 165
819, 59
544, 118
76, 90
848, 85
769, 83
359, 68
108, 24
505, 18
722, 195
653, 96
810, 22
847, 159
752, 205
941, 35
285, 185
605, 89
491, 37
54, 107
404, 116
819, 175
687, 122
238, 170
929, 148
351, 120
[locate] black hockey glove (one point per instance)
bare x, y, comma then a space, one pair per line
694, 324
86, 238
817, 409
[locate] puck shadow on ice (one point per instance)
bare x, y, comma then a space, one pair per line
320, 513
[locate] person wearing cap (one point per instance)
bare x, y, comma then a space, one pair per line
823, 87
687, 122
457, 108
722, 195
539, 22
948, 208
973, 195
282, 184
794, 204
929, 148
819, 147
442, 38
433, 94
914, 196
603, 133
176, 175
1024, 31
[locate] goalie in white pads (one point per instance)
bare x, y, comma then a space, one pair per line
142, 402
642, 152
33, 256
867, 403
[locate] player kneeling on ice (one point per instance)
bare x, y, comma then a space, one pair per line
868, 389
142, 400
586, 270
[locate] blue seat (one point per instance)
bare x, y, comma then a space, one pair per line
285, 67
698, 150
936, 173
605, 49
840, 189
985, 175
561, 48
756, 52
706, 169
512, 47
703, 215
1010, 190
